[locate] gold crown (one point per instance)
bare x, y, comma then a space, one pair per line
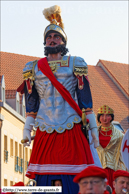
105, 110
53, 14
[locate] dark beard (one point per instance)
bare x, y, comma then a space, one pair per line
55, 50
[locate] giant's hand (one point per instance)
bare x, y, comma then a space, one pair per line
27, 129
94, 129
95, 137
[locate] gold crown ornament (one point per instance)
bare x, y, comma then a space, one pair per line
53, 15
105, 110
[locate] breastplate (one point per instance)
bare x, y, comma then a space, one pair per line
54, 112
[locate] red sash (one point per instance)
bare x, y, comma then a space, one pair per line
46, 70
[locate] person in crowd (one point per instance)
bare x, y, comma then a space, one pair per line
92, 180
57, 183
18, 184
121, 182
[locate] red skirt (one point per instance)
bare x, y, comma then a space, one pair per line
59, 153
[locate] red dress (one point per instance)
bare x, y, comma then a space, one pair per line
104, 139
55, 153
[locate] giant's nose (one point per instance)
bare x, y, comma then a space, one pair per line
104, 117
52, 43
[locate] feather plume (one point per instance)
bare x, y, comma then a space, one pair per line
53, 14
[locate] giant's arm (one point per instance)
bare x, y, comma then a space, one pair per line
85, 100
32, 105
31, 101
84, 96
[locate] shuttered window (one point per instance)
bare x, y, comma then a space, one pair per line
16, 148
11, 183
5, 182
5, 142
11, 147
26, 154
20, 151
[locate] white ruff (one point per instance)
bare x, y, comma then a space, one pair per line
56, 168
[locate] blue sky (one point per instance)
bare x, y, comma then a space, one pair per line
95, 29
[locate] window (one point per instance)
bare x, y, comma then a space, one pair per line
26, 158
26, 165
11, 147
20, 165
16, 148
16, 163
20, 151
5, 142
26, 154
5, 149
11, 183
5, 156
5, 182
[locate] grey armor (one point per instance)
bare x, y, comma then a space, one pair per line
54, 112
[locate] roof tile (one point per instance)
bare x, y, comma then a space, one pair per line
11, 66
119, 71
104, 91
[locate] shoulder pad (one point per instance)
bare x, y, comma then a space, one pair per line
80, 66
28, 71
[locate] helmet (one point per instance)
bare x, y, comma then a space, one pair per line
53, 14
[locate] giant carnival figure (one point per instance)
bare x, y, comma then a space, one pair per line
56, 90
110, 140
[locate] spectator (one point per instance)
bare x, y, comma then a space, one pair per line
19, 184
57, 183
121, 182
92, 180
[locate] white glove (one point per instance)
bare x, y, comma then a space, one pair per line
27, 129
94, 129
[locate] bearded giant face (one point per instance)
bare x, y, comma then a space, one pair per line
54, 44
54, 39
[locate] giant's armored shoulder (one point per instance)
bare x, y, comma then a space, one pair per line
80, 66
28, 71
